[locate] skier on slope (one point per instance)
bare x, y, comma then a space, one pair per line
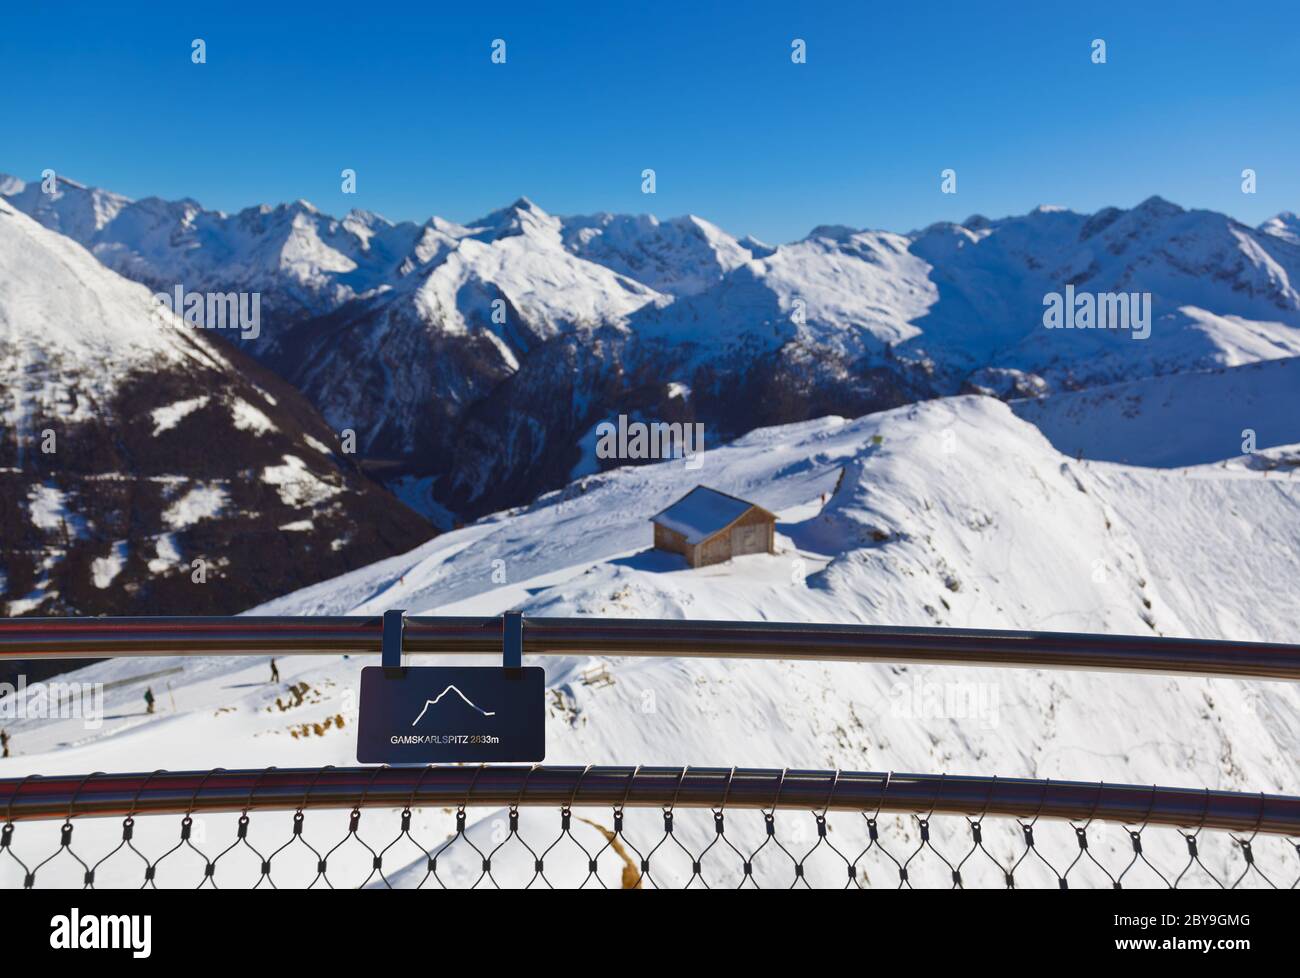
148, 699
275, 672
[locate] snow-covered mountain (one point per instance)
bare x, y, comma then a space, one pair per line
133, 445
683, 256
1285, 226
481, 364
850, 321
1177, 419
473, 360
1221, 293
404, 367
72, 208
952, 512
302, 261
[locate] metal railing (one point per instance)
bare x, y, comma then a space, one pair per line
636, 828
862, 828
93, 638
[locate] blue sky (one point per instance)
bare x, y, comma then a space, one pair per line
705, 93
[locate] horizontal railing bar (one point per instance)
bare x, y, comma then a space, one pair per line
94, 638
141, 794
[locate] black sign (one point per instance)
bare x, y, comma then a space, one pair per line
424, 714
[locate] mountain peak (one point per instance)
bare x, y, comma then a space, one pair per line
520, 207
756, 247
367, 218
69, 182
521, 217
1285, 225
835, 232
1157, 206
679, 256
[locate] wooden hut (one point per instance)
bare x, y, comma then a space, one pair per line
707, 527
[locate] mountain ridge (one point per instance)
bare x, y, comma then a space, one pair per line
474, 358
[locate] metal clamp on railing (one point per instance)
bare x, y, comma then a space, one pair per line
512, 643
391, 650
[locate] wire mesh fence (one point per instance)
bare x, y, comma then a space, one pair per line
654, 828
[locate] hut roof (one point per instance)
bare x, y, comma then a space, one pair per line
702, 512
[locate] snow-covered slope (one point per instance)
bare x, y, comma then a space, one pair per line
1178, 419
133, 445
923, 529
952, 512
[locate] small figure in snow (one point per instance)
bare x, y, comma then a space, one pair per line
275, 672
4, 743
148, 699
